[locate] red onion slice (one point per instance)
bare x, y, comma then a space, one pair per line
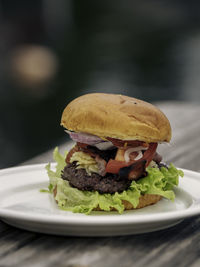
133, 149
85, 138
139, 156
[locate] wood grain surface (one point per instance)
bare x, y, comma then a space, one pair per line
176, 246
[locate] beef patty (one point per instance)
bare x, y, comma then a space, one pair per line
79, 178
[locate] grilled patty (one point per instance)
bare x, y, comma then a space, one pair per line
79, 178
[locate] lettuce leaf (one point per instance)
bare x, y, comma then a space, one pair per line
158, 181
54, 175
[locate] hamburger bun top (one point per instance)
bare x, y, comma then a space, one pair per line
116, 116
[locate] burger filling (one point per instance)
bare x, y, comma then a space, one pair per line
111, 168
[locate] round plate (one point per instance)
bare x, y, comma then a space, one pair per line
24, 206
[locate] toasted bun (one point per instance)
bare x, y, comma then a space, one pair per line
116, 116
145, 200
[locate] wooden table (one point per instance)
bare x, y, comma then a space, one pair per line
176, 246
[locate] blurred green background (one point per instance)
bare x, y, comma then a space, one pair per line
53, 51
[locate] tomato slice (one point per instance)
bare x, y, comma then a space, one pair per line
113, 166
149, 153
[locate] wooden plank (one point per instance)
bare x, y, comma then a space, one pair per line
162, 248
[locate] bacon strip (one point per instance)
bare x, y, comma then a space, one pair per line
134, 171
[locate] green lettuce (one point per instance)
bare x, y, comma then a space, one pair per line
158, 181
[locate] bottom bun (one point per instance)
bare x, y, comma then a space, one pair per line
144, 201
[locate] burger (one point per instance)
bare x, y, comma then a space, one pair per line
114, 164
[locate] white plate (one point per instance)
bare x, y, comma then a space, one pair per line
24, 206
